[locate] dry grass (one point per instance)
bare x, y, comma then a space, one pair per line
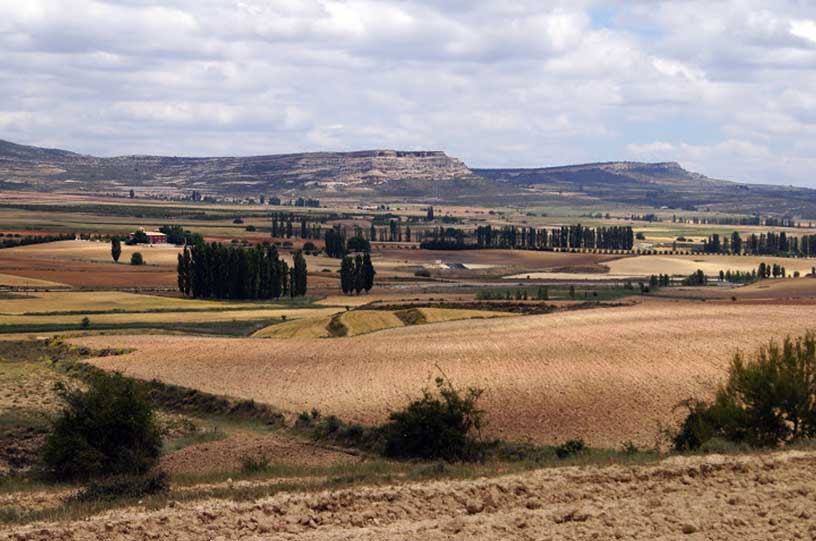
710, 264
607, 375
11, 280
366, 321
309, 327
439, 315
167, 317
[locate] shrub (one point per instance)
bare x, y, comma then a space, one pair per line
85, 323
110, 429
251, 228
570, 448
444, 424
767, 400
136, 259
124, 486
423, 273
254, 465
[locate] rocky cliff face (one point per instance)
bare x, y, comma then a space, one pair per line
56, 170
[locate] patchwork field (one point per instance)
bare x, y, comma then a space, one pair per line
545, 375
359, 322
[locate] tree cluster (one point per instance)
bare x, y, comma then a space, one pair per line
221, 272
178, 235
357, 274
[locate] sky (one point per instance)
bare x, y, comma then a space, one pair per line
726, 88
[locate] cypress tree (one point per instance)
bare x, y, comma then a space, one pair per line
300, 274
347, 274
116, 249
358, 278
368, 272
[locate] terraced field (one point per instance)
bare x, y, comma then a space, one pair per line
607, 375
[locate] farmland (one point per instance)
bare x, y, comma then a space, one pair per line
564, 343
544, 377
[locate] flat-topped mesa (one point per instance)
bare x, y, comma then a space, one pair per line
51, 169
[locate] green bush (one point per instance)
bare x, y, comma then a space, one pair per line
423, 273
110, 429
570, 448
444, 424
136, 259
767, 400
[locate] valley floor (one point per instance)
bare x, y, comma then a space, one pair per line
749, 497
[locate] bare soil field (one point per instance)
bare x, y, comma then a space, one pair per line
608, 375
85, 273
715, 497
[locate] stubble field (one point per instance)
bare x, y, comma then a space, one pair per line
608, 375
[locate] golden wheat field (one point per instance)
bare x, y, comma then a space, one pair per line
607, 375
10, 280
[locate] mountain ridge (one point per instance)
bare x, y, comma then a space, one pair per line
421, 175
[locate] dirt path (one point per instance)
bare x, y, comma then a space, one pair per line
715, 497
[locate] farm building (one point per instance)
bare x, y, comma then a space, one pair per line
154, 237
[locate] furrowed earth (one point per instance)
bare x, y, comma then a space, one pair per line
544, 375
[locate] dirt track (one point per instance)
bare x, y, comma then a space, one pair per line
715, 497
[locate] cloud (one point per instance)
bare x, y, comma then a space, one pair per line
724, 87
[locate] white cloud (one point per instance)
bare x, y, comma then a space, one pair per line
804, 29
725, 87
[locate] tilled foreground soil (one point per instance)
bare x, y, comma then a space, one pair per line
715, 497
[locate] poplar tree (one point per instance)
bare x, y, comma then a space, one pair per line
368, 272
116, 249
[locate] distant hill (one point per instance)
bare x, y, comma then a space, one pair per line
664, 184
415, 175
364, 171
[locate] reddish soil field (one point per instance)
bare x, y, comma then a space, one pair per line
86, 273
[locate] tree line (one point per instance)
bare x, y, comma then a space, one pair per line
770, 243
531, 238
12, 242
227, 272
